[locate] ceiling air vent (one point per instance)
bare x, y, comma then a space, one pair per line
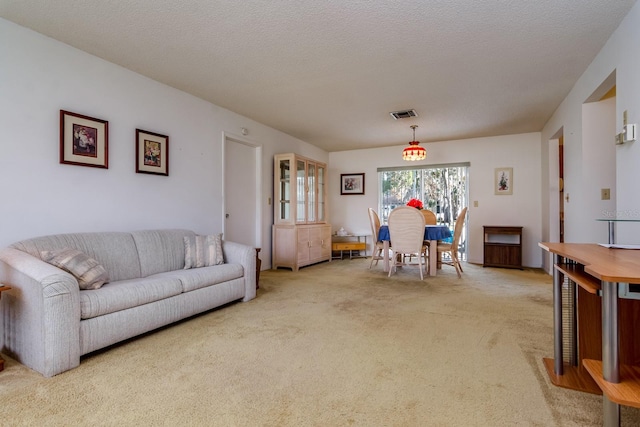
404, 114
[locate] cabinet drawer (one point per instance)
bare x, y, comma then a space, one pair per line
348, 246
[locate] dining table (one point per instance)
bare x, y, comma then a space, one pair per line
432, 233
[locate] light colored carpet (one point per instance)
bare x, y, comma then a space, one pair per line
334, 344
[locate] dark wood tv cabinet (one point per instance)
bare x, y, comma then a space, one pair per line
502, 246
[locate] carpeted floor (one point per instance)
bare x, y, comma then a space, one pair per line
335, 344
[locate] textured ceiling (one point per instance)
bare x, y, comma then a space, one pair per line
330, 71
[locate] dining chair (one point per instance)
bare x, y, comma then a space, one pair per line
429, 217
378, 246
406, 232
452, 248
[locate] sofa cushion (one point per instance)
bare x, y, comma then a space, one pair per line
126, 294
115, 251
202, 251
160, 250
87, 271
197, 278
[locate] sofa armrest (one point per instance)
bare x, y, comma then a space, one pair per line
236, 253
41, 313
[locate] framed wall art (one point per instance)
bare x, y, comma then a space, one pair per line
84, 140
352, 183
503, 183
152, 153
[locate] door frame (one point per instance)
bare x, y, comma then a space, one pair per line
228, 137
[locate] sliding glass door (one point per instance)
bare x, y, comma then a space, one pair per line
441, 188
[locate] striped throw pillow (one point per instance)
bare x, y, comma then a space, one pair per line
202, 251
87, 271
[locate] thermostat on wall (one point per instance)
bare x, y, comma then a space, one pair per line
628, 134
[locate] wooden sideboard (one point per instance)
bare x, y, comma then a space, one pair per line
502, 246
608, 353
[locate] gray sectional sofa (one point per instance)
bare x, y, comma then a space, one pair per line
49, 322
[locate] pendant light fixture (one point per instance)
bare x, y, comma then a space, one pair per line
414, 151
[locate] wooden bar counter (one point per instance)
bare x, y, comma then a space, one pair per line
608, 353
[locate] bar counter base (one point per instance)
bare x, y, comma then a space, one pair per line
626, 392
573, 378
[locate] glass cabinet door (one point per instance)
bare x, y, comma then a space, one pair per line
284, 202
321, 203
301, 190
311, 185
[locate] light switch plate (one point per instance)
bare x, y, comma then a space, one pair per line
605, 193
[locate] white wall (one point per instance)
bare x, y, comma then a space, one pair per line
617, 56
522, 152
599, 151
40, 76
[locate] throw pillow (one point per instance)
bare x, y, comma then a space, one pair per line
202, 251
89, 273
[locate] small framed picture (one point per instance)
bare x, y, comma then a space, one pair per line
504, 181
152, 153
84, 140
352, 183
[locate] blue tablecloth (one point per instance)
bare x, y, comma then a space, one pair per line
431, 232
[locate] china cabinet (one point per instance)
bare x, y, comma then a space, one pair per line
301, 234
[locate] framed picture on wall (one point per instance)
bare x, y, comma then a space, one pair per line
503, 183
84, 140
352, 183
152, 153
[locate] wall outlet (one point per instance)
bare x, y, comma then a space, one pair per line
605, 193
475, 203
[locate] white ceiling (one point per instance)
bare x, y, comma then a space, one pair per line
330, 71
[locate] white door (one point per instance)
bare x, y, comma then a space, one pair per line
241, 189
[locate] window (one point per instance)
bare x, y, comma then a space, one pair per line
441, 188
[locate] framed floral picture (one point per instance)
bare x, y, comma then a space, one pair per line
352, 183
152, 153
84, 140
503, 184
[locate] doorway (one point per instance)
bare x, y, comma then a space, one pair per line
561, 188
242, 190
599, 164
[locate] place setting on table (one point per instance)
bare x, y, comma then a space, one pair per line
432, 233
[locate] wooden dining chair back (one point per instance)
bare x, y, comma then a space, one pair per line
429, 217
406, 231
452, 248
378, 246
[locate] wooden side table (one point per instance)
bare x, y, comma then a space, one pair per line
258, 265
345, 243
2, 288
